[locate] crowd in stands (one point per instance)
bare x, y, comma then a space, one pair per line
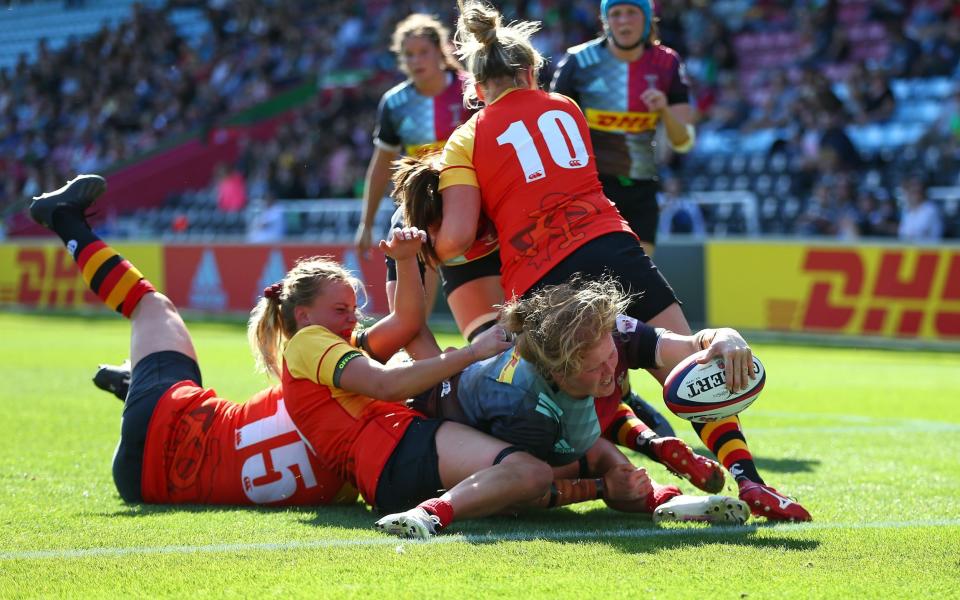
807, 71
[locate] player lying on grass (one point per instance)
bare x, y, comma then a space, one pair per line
559, 387
180, 443
544, 395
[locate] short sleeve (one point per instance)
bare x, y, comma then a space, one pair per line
563, 81
679, 90
318, 355
385, 136
456, 161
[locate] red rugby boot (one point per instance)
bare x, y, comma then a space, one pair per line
765, 501
680, 459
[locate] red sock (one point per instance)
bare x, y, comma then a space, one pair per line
660, 494
442, 509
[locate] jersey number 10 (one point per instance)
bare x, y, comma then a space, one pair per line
563, 139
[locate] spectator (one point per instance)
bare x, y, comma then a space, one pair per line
921, 221
904, 52
231, 189
876, 217
837, 151
268, 223
821, 215
678, 212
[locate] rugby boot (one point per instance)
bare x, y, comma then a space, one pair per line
114, 379
682, 461
76, 195
765, 501
716, 510
414, 523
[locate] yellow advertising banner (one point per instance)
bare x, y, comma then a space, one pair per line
43, 275
893, 291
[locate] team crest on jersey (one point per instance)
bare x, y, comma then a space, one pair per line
626, 324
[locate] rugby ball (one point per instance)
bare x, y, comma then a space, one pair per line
698, 392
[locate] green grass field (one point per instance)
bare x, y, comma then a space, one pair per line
868, 441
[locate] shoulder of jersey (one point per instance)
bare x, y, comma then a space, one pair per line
587, 53
665, 54
398, 94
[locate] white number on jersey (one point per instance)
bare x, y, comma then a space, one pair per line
563, 139
270, 475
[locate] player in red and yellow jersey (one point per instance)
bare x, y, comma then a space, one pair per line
179, 442
414, 118
628, 83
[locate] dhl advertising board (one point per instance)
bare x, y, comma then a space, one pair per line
875, 290
209, 278
42, 275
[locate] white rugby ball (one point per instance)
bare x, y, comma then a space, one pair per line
698, 392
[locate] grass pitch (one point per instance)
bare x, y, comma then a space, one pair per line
868, 441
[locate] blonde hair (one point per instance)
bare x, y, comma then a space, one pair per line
272, 320
556, 326
416, 190
491, 50
428, 27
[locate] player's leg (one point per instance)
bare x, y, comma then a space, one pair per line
483, 476
726, 440
626, 430
157, 330
473, 291
120, 285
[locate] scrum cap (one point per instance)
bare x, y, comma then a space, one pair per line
645, 5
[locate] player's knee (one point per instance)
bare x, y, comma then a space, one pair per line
532, 476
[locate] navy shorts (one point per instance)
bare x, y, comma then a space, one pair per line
412, 473
151, 379
636, 199
618, 255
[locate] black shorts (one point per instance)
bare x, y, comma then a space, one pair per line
457, 275
151, 379
636, 199
412, 473
620, 256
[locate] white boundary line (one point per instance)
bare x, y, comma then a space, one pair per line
517, 536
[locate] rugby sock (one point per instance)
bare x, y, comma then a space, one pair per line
442, 509
725, 439
114, 280
629, 431
661, 494
570, 491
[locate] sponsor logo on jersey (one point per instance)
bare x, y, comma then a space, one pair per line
626, 324
625, 122
563, 447
72, 247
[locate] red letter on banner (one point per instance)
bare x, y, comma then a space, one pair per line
33, 270
947, 323
889, 284
820, 313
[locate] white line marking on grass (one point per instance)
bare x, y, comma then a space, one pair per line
858, 424
517, 536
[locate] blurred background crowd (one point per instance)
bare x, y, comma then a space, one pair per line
836, 118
